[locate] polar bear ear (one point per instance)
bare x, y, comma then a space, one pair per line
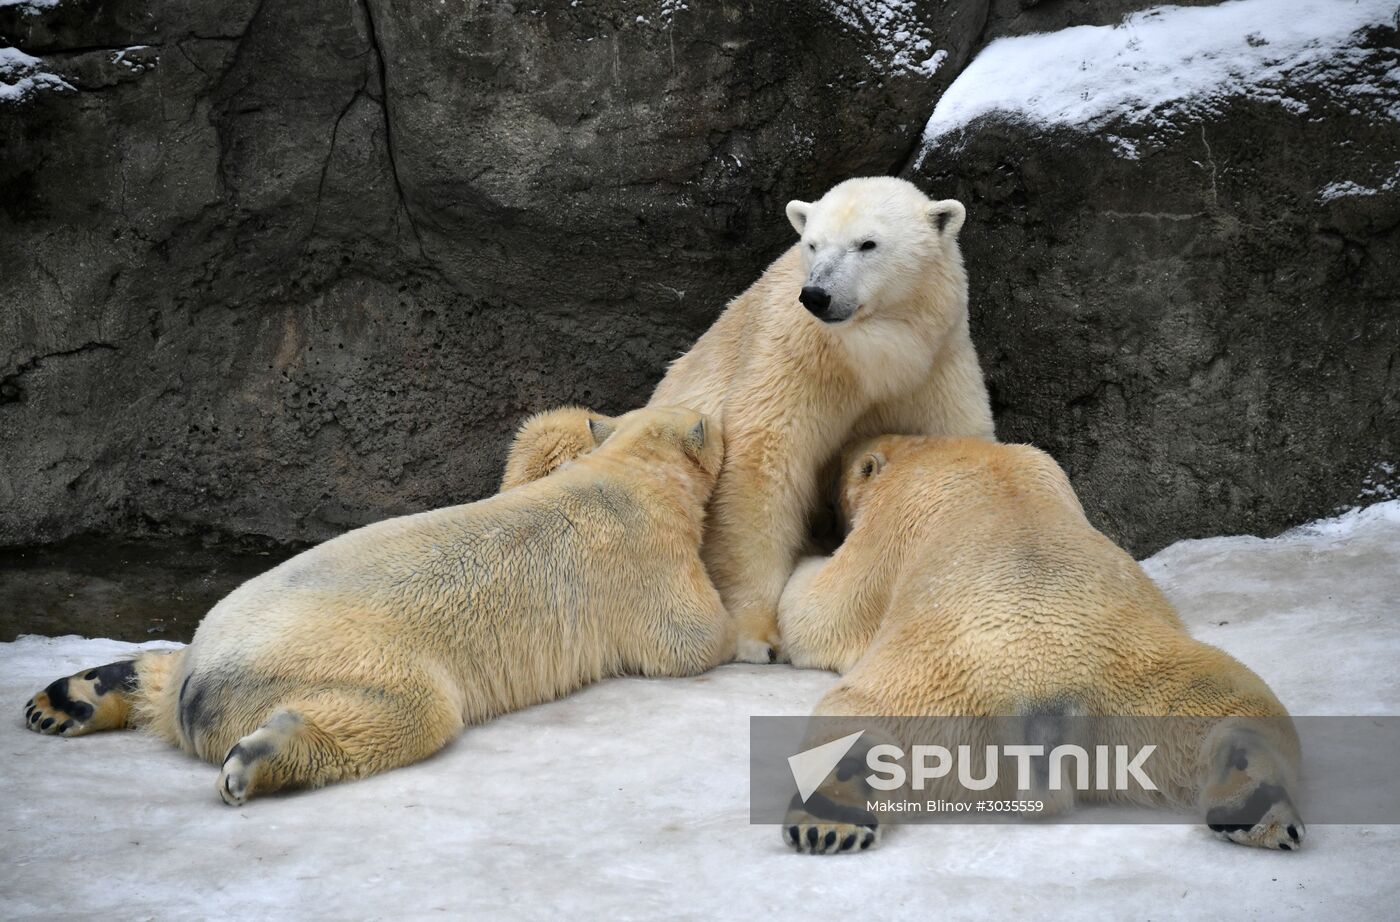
600, 429
947, 216
694, 439
797, 214
871, 463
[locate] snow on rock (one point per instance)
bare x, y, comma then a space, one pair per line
1347, 188
906, 44
120, 57
1380, 483
20, 75
13, 61
629, 799
669, 8
1344, 189
1170, 64
31, 7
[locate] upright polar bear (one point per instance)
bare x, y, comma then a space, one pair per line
971, 585
374, 649
858, 330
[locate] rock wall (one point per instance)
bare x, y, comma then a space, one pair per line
280, 269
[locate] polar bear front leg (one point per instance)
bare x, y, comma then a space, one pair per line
691, 634
757, 525
756, 626
832, 607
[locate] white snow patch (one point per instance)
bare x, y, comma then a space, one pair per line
120, 57
20, 76
1344, 189
1347, 188
1169, 63
32, 7
630, 798
13, 61
1381, 483
1313, 611
1352, 522
906, 42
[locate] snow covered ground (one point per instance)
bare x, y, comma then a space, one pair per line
629, 800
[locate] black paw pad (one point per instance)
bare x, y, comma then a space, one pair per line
1248, 814
60, 701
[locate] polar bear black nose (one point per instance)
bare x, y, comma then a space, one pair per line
815, 299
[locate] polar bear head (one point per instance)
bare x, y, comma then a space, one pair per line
661, 436
870, 243
547, 441
861, 465
941, 470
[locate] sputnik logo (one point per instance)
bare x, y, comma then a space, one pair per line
811, 766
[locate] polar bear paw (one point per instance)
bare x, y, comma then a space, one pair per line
249, 764
822, 826
1266, 819
817, 838
757, 650
87, 701
236, 777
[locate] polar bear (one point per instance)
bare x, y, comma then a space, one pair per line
972, 585
548, 441
859, 329
376, 648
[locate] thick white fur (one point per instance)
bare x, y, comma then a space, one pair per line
792, 389
972, 585
372, 650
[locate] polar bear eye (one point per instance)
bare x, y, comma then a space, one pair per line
812, 247
868, 245
868, 467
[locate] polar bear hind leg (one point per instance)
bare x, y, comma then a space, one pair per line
836, 819
1230, 747
336, 735
118, 695
1246, 792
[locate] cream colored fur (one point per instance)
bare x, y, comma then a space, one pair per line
374, 649
971, 584
548, 441
792, 389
